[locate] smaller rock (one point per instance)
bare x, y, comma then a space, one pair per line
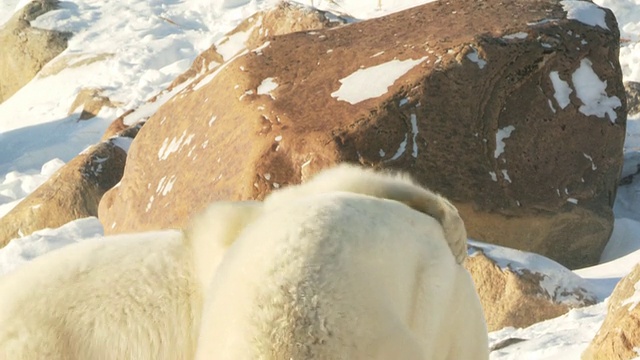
25, 49
286, 18
119, 128
632, 89
73, 192
619, 335
519, 289
92, 101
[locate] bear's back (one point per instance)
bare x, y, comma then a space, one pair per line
118, 297
330, 275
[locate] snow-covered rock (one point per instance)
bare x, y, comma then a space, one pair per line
619, 335
26, 49
73, 192
519, 289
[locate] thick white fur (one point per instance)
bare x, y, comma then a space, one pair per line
124, 297
339, 275
214, 230
318, 272
393, 186
136, 296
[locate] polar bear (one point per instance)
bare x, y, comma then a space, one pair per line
224, 220
333, 269
122, 297
396, 186
134, 296
141, 296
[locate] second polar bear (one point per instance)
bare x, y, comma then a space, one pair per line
329, 274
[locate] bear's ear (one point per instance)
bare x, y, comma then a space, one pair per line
210, 233
398, 186
439, 208
221, 222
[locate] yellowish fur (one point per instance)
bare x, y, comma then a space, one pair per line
337, 268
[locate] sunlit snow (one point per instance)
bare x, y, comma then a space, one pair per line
593, 93
358, 86
585, 12
561, 88
267, 86
502, 134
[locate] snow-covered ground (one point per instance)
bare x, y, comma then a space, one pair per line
134, 49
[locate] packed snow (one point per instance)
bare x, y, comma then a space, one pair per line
132, 50
556, 278
585, 12
267, 86
414, 133
518, 35
593, 165
561, 89
474, 56
592, 92
20, 251
175, 145
233, 44
505, 175
502, 134
358, 87
123, 143
589, 89
401, 148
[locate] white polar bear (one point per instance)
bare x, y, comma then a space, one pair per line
140, 296
385, 185
123, 297
327, 274
134, 296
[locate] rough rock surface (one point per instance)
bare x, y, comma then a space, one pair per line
619, 335
525, 289
25, 50
119, 129
73, 192
489, 108
633, 97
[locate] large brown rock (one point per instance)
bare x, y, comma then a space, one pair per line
520, 289
25, 50
619, 335
73, 192
489, 109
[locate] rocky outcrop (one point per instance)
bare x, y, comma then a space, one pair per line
520, 289
619, 335
118, 128
25, 49
519, 119
75, 190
